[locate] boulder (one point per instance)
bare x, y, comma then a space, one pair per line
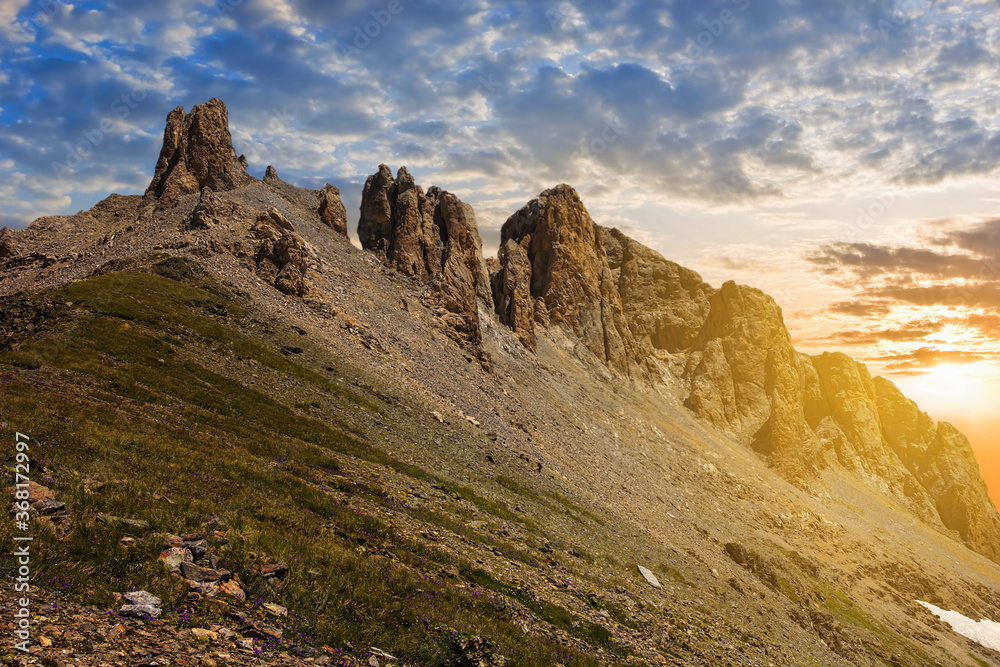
141, 604
206, 212
649, 577
172, 558
8, 248
282, 254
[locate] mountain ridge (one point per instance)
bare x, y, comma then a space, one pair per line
570, 310
553, 273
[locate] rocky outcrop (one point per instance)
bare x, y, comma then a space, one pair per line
271, 174
804, 414
206, 212
375, 224
940, 458
511, 285
282, 254
8, 248
744, 377
556, 270
434, 238
331, 210
570, 282
197, 153
402, 224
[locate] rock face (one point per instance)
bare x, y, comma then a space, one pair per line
207, 211
664, 303
570, 284
8, 248
197, 153
282, 254
560, 275
744, 375
941, 460
434, 238
331, 210
512, 292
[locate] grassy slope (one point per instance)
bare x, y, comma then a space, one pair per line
113, 389
143, 376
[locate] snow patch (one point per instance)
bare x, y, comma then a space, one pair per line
984, 632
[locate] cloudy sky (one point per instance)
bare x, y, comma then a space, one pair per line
842, 155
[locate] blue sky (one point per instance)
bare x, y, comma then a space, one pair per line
840, 155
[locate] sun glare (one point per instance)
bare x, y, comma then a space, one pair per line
955, 382
953, 388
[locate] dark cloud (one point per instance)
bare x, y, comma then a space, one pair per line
983, 240
861, 308
867, 261
927, 357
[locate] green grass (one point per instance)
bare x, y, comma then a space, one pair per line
131, 388
981, 663
513, 486
554, 614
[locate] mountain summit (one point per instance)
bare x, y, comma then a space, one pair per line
453, 458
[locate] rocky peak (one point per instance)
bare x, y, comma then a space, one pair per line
331, 210
941, 459
433, 237
570, 283
374, 226
744, 375
197, 153
271, 174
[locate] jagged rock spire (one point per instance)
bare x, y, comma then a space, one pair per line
331, 210
197, 153
433, 237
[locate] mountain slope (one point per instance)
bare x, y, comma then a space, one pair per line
369, 417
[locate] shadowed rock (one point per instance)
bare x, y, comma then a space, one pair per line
331, 210
8, 248
664, 303
282, 255
744, 375
512, 292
